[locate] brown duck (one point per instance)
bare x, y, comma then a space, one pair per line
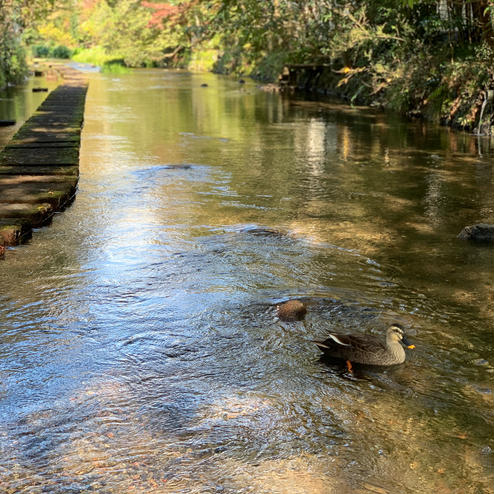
366, 349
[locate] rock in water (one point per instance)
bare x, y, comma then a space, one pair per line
480, 233
293, 310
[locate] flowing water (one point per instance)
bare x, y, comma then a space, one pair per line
139, 345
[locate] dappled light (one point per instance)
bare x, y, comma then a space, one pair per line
253, 192
141, 345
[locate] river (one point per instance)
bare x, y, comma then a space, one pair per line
139, 345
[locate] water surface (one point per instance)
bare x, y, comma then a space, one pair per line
19, 103
139, 345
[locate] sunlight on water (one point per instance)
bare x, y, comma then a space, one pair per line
139, 345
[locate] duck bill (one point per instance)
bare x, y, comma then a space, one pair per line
407, 343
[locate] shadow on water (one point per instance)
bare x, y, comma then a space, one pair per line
140, 348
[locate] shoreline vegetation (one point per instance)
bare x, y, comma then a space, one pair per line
421, 58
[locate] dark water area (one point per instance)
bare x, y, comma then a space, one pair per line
139, 345
20, 102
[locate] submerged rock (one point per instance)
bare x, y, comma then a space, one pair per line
481, 233
293, 310
263, 231
270, 88
179, 166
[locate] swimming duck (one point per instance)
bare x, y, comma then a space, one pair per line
366, 349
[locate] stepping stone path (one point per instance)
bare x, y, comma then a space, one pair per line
39, 168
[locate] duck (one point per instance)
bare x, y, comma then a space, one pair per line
367, 349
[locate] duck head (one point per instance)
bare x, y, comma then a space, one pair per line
396, 334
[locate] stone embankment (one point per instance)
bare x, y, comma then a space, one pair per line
39, 168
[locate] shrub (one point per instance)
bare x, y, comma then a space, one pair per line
40, 51
47, 51
114, 67
61, 51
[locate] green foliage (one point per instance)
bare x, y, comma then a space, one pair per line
13, 68
269, 67
386, 53
47, 51
94, 56
203, 59
40, 51
61, 51
114, 68
12, 59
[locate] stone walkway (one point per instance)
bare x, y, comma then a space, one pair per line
39, 168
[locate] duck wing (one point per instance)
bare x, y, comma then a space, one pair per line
351, 347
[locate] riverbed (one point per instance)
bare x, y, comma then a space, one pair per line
139, 345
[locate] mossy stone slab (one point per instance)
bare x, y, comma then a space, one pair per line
35, 214
44, 156
55, 121
55, 190
61, 112
14, 231
29, 144
33, 136
40, 170
34, 129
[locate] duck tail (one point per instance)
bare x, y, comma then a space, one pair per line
321, 345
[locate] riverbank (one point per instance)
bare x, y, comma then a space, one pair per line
428, 82
39, 168
453, 93
456, 98
431, 60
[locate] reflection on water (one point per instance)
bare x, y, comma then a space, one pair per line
19, 103
139, 348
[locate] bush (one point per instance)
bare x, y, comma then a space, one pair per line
40, 51
47, 51
13, 68
269, 67
114, 67
61, 51
94, 56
